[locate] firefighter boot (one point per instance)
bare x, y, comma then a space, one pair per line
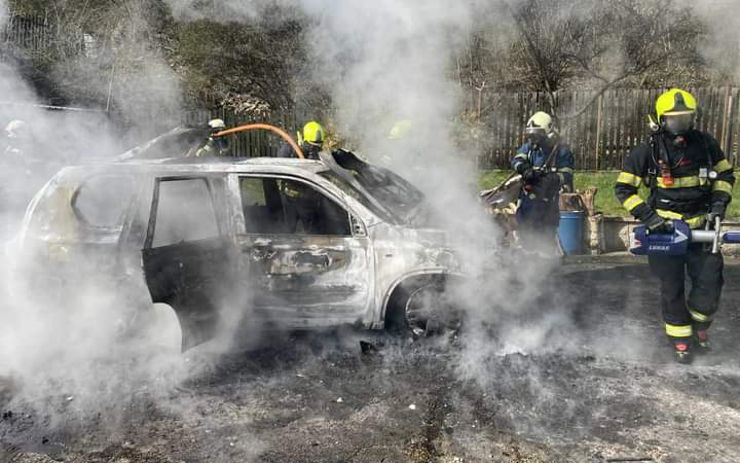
682, 351
701, 339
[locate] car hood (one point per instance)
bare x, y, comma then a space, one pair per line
397, 199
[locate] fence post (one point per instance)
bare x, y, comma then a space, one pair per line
726, 115
599, 119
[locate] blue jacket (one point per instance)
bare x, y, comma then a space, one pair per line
563, 161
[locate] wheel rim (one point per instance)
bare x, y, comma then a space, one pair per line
422, 310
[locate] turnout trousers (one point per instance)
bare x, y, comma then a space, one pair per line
538, 216
681, 314
537, 224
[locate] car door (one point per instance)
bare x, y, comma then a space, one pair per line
309, 259
189, 260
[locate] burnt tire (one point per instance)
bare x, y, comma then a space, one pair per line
420, 307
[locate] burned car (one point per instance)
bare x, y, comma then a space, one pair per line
296, 243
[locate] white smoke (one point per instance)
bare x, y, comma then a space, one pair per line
73, 354
721, 47
381, 62
3, 13
387, 61
392, 65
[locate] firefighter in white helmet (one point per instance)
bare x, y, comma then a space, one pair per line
546, 164
16, 133
14, 128
215, 145
19, 182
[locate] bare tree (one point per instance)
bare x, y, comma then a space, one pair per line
552, 45
602, 44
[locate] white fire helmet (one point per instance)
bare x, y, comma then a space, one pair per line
217, 124
540, 122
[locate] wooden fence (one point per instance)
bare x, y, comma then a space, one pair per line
31, 33
251, 143
607, 130
601, 135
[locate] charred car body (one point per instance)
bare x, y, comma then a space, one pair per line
298, 243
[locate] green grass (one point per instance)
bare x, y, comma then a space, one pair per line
606, 202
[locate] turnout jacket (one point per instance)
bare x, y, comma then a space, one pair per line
530, 155
309, 151
700, 178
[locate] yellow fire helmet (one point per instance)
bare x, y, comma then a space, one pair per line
313, 133
674, 102
400, 129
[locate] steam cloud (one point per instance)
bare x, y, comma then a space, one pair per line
393, 65
389, 66
382, 62
64, 359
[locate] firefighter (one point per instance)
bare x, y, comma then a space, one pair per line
403, 145
403, 150
311, 142
689, 179
18, 152
400, 130
214, 146
14, 131
16, 146
546, 165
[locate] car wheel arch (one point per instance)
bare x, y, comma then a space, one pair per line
412, 280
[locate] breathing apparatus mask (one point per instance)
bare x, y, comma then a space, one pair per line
310, 150
536, 136
678, 126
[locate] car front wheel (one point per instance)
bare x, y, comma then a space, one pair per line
421, 308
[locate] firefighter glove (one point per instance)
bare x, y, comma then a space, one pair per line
531, 175
523, 167
717, 210
658, 225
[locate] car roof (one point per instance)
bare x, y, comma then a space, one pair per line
223, 164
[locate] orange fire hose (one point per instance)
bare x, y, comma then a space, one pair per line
259, 125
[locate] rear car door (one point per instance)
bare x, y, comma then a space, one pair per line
189, 259
309, 258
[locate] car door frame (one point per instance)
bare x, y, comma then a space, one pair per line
196, 328
358, 236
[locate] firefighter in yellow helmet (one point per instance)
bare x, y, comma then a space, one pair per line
302, 203
311, 141
689, 179
400, 130
400, 149
405, 149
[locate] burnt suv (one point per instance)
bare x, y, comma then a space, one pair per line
299, 243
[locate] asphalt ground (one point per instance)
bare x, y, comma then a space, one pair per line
583, 375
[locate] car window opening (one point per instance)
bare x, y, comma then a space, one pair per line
185, 212
284, 206
101, 202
